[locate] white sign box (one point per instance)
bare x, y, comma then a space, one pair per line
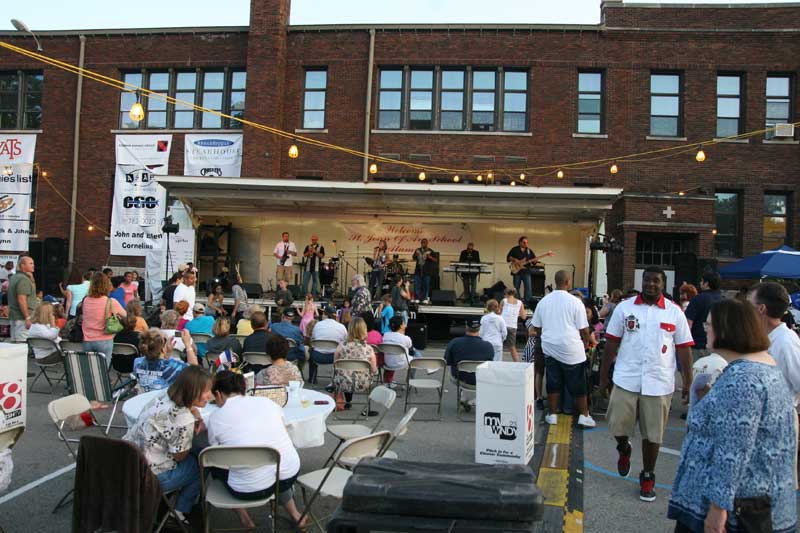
504, 422
13, 385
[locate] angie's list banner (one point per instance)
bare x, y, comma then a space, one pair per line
211, 155
403, 239
16, 178
138, 209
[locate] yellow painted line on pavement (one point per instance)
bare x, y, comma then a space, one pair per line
561, 433
553, 483
573, 522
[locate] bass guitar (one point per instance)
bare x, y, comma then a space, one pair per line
516, 266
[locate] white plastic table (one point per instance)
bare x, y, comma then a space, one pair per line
306, 425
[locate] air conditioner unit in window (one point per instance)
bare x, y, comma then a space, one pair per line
784, 130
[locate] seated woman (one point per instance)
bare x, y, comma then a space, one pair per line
253, 421
214, 303
355, 348
129, 334
181, 308
44, 326
134, 307
374, 336
222, 339
244, 327
281, 371
156, 370
164, 432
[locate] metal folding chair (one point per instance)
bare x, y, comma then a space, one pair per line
69, 346
122, 358
430, 365
51, 346
292, 343
352, 365
87, 375
468, 367
257, 358
397, 350
60, 410
319, 345
214, 492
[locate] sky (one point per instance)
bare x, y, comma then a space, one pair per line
98, 14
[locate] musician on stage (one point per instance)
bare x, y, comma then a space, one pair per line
470, 255
284, 252
522, 256
425, 259
380, 258
313, 255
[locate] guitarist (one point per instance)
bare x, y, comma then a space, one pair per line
284, 252
521, 257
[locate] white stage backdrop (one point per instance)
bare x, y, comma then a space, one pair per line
403, 238
212, 155
16, 156
138, 210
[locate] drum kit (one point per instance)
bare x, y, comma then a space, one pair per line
334, 273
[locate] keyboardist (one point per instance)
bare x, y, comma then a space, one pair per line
470, 255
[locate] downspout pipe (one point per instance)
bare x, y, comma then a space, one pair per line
368, 108
75, 153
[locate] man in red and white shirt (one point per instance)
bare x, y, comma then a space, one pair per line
643, 336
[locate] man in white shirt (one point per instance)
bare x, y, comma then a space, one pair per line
561, 323
643, 336
327, 329
284, 252
772, 301
7, 271
185, 292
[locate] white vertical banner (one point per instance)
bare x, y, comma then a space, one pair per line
139, 202
16, 177
211, 155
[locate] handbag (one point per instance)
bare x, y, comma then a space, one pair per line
113, 325
753, 515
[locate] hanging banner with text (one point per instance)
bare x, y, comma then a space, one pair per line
212, 155
139, 201
403, 239
16, 176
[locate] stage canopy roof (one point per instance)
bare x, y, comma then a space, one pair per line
254, 196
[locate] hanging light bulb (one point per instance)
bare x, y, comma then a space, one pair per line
614, 168
522, 177
373, 168
31, 210
137, 111
44, 173
490, 176
90, 228
479, 178
456, 179
714, 231
294, 152
681, 193
422, 176
701, 155
513, 183
560, 174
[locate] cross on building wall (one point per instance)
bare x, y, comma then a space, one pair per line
669, 211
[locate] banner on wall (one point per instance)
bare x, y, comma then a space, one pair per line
16, 176
139, 202
403, 238
212, 155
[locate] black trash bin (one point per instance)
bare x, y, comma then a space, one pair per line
397, 496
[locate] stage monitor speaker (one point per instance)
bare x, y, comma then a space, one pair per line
297, 293
537, 284
443, 297
253, 290
418, 332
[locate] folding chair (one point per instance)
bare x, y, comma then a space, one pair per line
352, 365
60, 410
292, 343
398, 431
87, 375
257, 358
215, 493
393, 349
431, 365
69, 346
122, 357
319, 345
383, 396
331, 481
51, 346
239, 338
468, 367
200, 338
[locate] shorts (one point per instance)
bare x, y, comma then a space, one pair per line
19, 333
559, 376
511, 338
625, 407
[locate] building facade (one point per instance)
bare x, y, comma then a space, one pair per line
646, 78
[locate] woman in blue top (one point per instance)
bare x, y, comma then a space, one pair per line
741, 440
156, 370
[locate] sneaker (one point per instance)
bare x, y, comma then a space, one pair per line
391, 385
551, 419
182, 517
586, 421
647, 482
624, 461
540, 404
426, 301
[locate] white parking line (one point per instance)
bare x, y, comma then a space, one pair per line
33, 484
670, 451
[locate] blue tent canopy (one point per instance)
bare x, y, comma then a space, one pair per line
783, 262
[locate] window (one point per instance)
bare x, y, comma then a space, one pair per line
390, 99
665, 105
779, 102
420, 114
727, 214
776, 221
20, 100
316, 85
590, 102
451, 116
219, 90
729, 111
515, 100
483, 100
661, 249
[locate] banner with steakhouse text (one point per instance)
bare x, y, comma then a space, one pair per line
139, 202
403, 239
211, 155
16, 177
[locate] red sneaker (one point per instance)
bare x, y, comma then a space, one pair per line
647, 484
624, 461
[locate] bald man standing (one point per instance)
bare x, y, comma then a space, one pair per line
313, 253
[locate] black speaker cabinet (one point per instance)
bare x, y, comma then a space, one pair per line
442, 297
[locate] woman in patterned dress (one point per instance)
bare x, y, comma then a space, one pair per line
355, 348
281, 371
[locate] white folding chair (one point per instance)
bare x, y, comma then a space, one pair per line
331, 481
69, 346
292, 343
396, 350
215, 493
430, 365
467, 367
60, 410
398, 431
200, 338
50, 346
383, 396
257, 358
352, 365
122, 358
321, 345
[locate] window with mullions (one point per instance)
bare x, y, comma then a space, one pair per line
590, 102
483, 100
776, 221
660, 249
390, 99
420, 105
220, 90
20, 100
316, 84
665, 105
515, 100
729, 105
779, 102
451, 116
727, 216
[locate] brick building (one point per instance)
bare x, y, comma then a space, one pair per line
457, 96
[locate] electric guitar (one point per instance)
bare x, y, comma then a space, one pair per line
518, 265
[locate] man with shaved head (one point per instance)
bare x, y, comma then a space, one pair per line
313, 254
